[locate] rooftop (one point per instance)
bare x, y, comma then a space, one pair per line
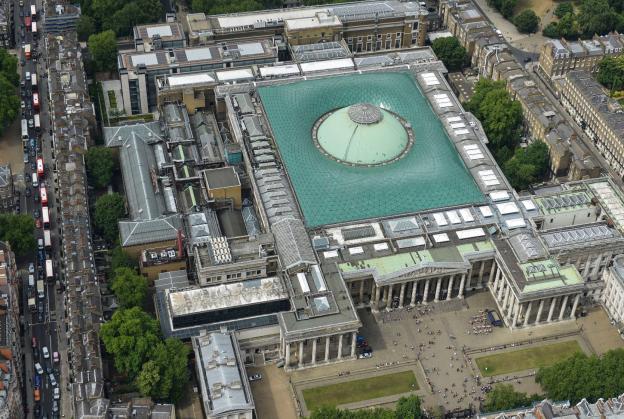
430, 175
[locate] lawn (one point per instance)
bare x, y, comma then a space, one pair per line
526, 359
358, 390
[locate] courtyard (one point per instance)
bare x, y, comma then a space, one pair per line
440, 343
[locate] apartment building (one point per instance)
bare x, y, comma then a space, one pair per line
613, 294
557, 57
601, 117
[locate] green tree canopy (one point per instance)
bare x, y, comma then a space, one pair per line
130, 337
409, 407
19, 231
526, 21
611, 73
109, 209
500, 116
8, 67
129, 287
450, 51
505, 7
121, 259
166, 373
597, 17
563, 9
582, 376
85, 27
9, 103
504, 397
103, 49
101, 164
528, 165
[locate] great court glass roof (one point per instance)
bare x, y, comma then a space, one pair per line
430, 175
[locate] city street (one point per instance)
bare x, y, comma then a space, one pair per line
39, 324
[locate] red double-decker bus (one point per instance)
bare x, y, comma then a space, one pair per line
40, 168
44, 196
27, 21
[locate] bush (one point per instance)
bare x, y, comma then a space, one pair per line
563, 9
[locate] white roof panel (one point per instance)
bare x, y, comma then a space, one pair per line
162, 31
184, 79
508, 208
233, 75
279, 70
454, 119
440, 219
327, 65
453, 217
515, 223
470, 233
499, 196
147, 59
411, 242
250, 48
528, 205
356, 250
441, 238
380, 247
486, 211
330, 254
198, 54
461, 132
466, 215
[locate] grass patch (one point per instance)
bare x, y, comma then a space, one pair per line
358, 390
526, 359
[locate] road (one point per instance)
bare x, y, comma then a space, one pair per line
40, 324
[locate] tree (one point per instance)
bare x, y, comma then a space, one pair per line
408, 407
504, 397
19, 231
450, 51
582, 376
551, 30
129, 287
133, 13
85, 27
528, 165
109, 209
568, 27
101, 164
164, 376
130, 337
563, 9
597, 17
9, 103
8, 67
505, 7
611, 73
121, 259
527, 21
103, 49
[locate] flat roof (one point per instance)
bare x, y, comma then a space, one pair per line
238, 74
327, 65
223, 177
279, 70
185, 79
430, 175
199, 300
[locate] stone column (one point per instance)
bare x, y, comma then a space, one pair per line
402, 295
516, 314
528, 314
499, 296
300, 353
461, 286
492, 271
414, 289
553, 302
377, 295
362, 291
353, 340
437, 293
385, 293
510, 309
314, 351
596, 266
481, 269
563, 307
586, 268
327, 339
575, 305
287, 355
389, 298
426, 291
340, 346
449, 289
539, 311
506, 301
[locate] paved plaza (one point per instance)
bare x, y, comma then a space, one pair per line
429, 340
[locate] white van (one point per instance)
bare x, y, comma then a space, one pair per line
40, 243
35, 180
27, 75
31, 281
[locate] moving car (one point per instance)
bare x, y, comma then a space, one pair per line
57, 393
31, 268
46, 353
255, 377
53, 382
37, 394
38, 368
55, 357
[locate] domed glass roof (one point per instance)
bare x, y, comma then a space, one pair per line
362, 134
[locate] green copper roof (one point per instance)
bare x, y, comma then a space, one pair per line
362, 134
430, 175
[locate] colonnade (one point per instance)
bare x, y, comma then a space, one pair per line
313, 351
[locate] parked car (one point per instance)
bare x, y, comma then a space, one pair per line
38, 368
55, 407
46, 353
255, 377
57, 393
37, 381
31, 268
55, 357
52, 380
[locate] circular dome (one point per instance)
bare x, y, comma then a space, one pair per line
362, 135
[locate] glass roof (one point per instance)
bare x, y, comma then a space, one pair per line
431, 175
